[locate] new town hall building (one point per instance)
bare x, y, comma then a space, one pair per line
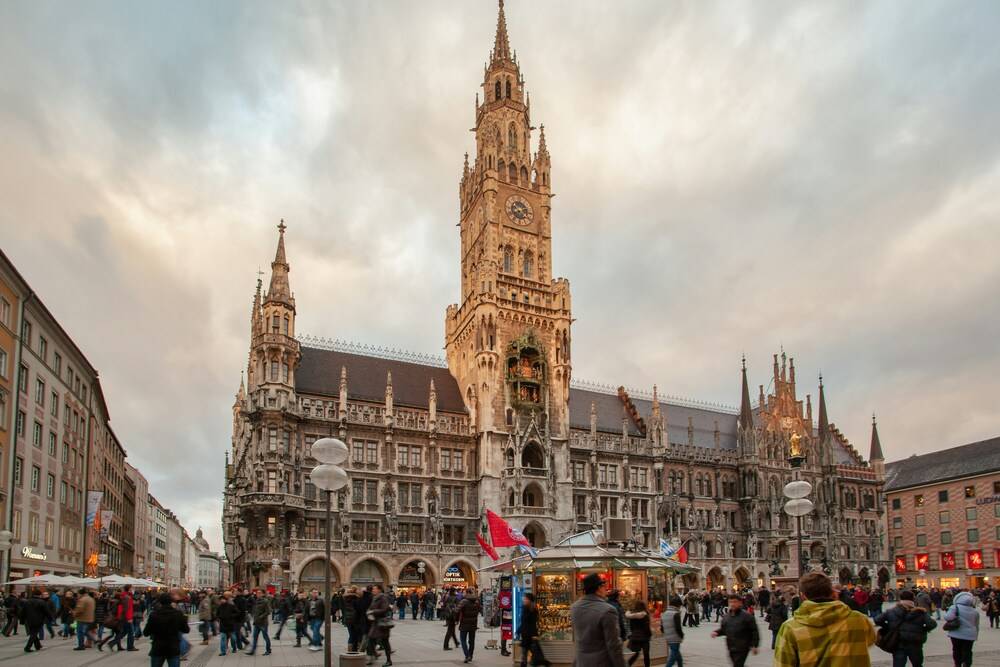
502, 424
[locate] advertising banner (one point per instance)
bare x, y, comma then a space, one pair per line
93, 503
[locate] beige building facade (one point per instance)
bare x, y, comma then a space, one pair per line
500, 423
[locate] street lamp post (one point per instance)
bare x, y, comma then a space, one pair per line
329, 477
797, 491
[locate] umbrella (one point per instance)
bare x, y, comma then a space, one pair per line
41, 580
115, 580
143, 583
83, 582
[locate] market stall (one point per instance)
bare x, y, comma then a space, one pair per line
555, 574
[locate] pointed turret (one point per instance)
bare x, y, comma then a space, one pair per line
256, 323
388, 398
824, 422
593, 419
875, 453
342, 394
746, 409
279, 290
501, 43
432, 405
242, 393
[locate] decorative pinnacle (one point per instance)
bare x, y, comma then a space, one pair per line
501, 44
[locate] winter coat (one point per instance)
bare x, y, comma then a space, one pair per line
529, 623
638, 627
621, 618
164, 628
262, 611
468, 615
83, 611
205, 609
691, 603
379, 608
35, 612
777, 614
740, 631
764, 597
824, 634
596, 636
670, 624
229, 617
315, 608
913, 623
965, 611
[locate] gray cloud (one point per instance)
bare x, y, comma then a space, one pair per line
730, 178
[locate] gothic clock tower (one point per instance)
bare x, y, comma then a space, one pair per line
508, 341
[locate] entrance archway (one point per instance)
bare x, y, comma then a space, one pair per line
864, 577
410, 575
313, 574
532, 496
883, 577
845, 576
369, 571
459, 573
535, 534
690, 581
716, 579
741, 577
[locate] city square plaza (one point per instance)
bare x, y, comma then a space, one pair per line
419, 643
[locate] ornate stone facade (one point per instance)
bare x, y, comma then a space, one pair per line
504, 426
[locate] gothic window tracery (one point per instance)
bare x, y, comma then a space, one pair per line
511, 136
528, 264
508, 260
496, 89
512, 173
508, 89
502, 169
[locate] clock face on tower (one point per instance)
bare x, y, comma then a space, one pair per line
519, 210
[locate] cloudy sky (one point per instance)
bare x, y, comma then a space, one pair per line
731, 178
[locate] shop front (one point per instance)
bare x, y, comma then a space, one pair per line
555, 578
415, 576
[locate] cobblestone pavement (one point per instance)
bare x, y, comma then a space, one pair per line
419, 643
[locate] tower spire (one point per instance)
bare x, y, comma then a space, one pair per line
746, 409
876, 448
824, 421
279, 290
501, 44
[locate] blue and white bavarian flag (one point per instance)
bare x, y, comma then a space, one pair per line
665, 548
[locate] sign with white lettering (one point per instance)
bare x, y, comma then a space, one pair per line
28, 552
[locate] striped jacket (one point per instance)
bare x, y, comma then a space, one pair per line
824, 634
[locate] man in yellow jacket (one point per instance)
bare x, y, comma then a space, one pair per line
823, 632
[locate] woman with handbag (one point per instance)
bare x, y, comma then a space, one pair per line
112, 623
961, 624
380, 614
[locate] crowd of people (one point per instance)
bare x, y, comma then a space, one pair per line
817, 625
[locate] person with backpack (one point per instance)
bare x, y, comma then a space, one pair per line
673, 631
777, 613
912, 623
449, 611
166, 627
468, 622
823, 631
640, 634
962, 627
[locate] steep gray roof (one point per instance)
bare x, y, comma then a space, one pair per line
319, 373
610, 412
977, 458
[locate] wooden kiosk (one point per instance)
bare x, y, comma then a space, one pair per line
555, 576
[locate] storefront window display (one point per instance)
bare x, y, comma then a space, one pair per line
554, 596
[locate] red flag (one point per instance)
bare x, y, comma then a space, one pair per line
501, 532
682, 555
487, 547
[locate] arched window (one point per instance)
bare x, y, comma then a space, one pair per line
512, 137
532, 456
510, 498
512, 176
508, 89
524, 177
285, 331
529, 264
502, 169
509, 458
496, 89
508, 260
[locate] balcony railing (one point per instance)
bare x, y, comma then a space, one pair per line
535, 472
266, 498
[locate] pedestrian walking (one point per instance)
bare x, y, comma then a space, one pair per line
673, 631
468, 622
165, 628
449, 612
352, 618
691, 609
740, 630
993, 610
380, 614
823, 631
35, 613
913, 623
205, 616
528, 632
261, 618
229, 623
299, 610
764, 600
114, 625
402, 599
640, 633
966, 632
316, 615
777, 613
596, 635
11, 603
83, 614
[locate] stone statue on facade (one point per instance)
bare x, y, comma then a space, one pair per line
392, 526
752, 547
